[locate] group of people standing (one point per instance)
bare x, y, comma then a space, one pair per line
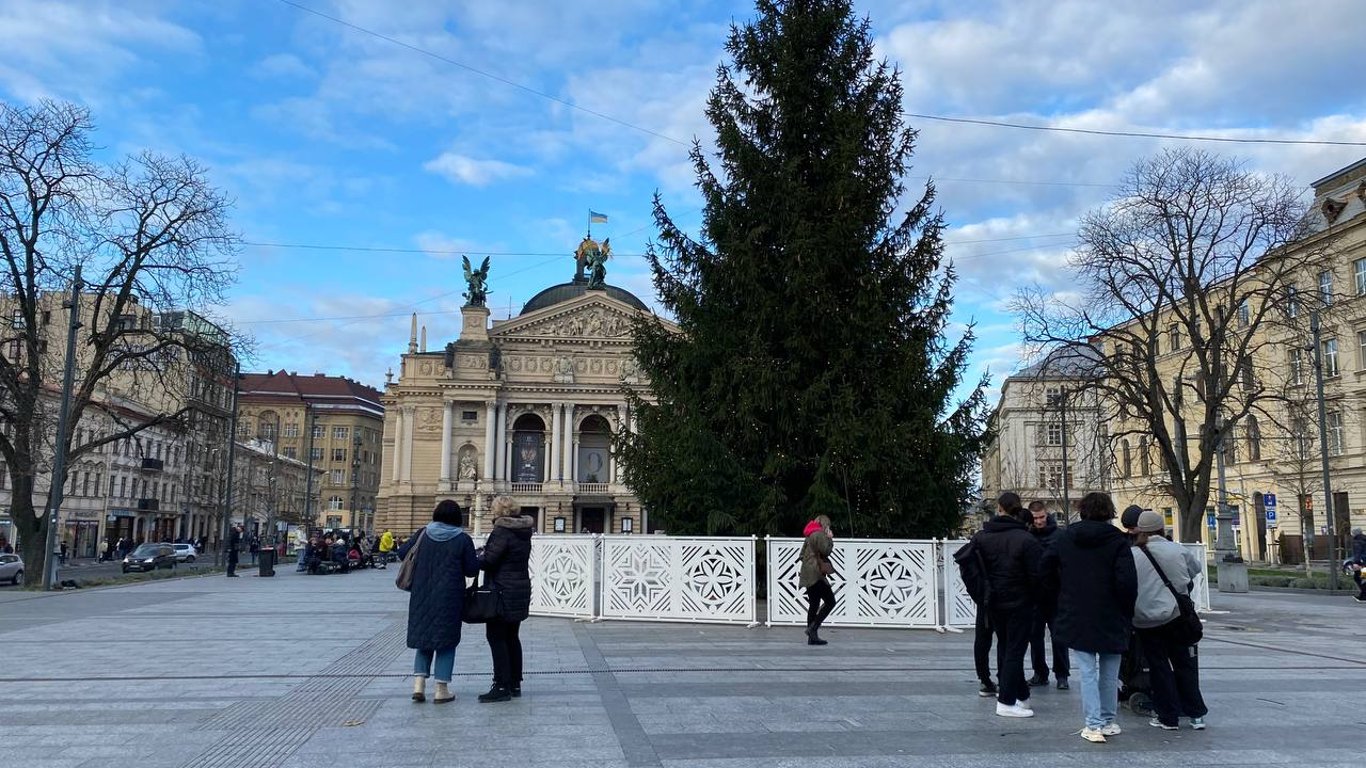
1104, 592
444, 556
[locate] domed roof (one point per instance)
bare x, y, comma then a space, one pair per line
563, 292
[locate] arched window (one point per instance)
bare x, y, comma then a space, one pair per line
1143, 455
528, 449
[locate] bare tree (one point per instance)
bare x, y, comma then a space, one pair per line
150, 235
1181, 282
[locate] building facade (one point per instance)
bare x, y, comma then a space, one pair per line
330, 423
526, 406
270, 490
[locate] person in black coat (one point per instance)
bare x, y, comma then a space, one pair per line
1093, 572
1045, 530
1011, 556
234, 542
445, 558
505, 558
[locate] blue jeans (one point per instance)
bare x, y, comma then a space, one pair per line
445, 664
1099, 686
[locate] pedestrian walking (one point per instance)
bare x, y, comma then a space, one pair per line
254, 548
1359, 562
444, 558
386, 548
1011, 557
1045, 530
234, 541
104, 550
1093, 573
1173, 664
62, 552
814, 576
505, 562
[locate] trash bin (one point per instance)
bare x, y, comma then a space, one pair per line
265, 562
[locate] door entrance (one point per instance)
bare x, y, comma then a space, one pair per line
592, 519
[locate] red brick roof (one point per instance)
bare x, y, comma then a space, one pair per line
289, 387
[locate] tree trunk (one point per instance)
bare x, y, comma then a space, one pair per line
32, 527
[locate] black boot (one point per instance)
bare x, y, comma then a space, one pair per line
496, 693
812, 638
516, 690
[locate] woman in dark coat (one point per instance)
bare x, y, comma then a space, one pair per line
1093, 572
505, 559
445, 557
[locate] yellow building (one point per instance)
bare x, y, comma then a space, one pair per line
525, 406
330, 423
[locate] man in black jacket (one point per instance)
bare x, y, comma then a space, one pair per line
1045, 530
234, 541
1012, 557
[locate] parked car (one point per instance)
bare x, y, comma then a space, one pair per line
149, 557
184, 553
11, 569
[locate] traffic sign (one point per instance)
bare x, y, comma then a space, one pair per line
1271, 517
1269, 500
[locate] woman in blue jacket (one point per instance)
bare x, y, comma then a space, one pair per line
444, 558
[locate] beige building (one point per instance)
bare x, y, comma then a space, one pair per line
1272, 459
330, 423
1048, 433
525, 406
269, 489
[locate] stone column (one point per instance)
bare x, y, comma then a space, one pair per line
568, 463
409, 421
555, 442
500, 467
490, 417
447, 417
398, 443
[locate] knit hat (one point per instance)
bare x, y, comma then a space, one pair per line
1151, 522
1130, 517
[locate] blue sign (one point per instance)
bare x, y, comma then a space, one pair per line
1269, 501
1271, 516
1211, 520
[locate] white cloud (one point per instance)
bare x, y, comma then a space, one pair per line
462, 169
283, 66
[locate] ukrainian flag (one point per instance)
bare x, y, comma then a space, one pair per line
596, 218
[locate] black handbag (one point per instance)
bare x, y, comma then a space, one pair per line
1186, 628
483, 603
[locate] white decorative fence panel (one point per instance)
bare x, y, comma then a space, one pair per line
959, 609
1200, 590
564, 570
677, 578
877, 583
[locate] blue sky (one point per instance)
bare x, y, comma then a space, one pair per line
327, 136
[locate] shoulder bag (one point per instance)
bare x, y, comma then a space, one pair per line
483, 603
404, 579
1186, 628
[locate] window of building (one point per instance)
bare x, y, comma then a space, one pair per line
317, 454
1245, 375
1143, 456
17, 320
319, 432
1052, 397
1053, 434
1126, 460
1330, 357
340, 433
85, 484
291, 430
1361, 350
335, 503
244, 431
1296, 356
1359, 273
291, 452
469, 415
339, 454
1334, 429
267, 430
1173, 337
123, 487
1244, 314
338, 476
1050, 475
1326, 288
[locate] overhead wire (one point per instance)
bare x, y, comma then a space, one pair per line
1134, 134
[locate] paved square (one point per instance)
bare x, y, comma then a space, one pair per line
304, 672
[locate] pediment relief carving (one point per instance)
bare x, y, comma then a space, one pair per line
592, 321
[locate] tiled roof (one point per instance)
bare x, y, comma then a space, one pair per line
287, 386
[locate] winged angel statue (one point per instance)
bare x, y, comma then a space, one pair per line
478, 282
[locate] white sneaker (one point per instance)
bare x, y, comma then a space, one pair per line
1093, 735
1013, 710
1111, 729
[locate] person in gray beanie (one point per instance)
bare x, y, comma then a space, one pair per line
1173, 666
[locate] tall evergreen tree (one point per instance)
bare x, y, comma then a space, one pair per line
813, 373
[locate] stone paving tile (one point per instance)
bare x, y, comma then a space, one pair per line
1276, 672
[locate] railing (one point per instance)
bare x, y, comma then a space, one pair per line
877, 583
149, 505
150, 463
677, 578
526, 487
595, 488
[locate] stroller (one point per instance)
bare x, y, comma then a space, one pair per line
1135, 687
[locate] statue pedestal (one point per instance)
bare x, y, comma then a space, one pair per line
476, 323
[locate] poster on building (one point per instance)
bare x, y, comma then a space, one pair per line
527, 447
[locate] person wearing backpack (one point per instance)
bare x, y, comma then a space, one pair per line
1173, 663
1011, 558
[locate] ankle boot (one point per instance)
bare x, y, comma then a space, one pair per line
419, 689
814, 639
443, 694
516, 690
495, 694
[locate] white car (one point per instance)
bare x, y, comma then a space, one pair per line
184, 553
11, 569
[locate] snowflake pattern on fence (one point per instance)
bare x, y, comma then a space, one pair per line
686, 579
562, 576
960, 610
894, 583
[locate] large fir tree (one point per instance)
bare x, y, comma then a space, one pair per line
812, 374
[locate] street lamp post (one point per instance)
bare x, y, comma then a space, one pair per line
1328, 511
355, 481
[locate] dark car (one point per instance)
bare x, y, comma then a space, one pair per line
149, 557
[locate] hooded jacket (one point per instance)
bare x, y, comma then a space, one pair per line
1047, 534
1359, 548
817, 547
1155, 605
1092, 571
443, 560
1012, 558
506, 559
